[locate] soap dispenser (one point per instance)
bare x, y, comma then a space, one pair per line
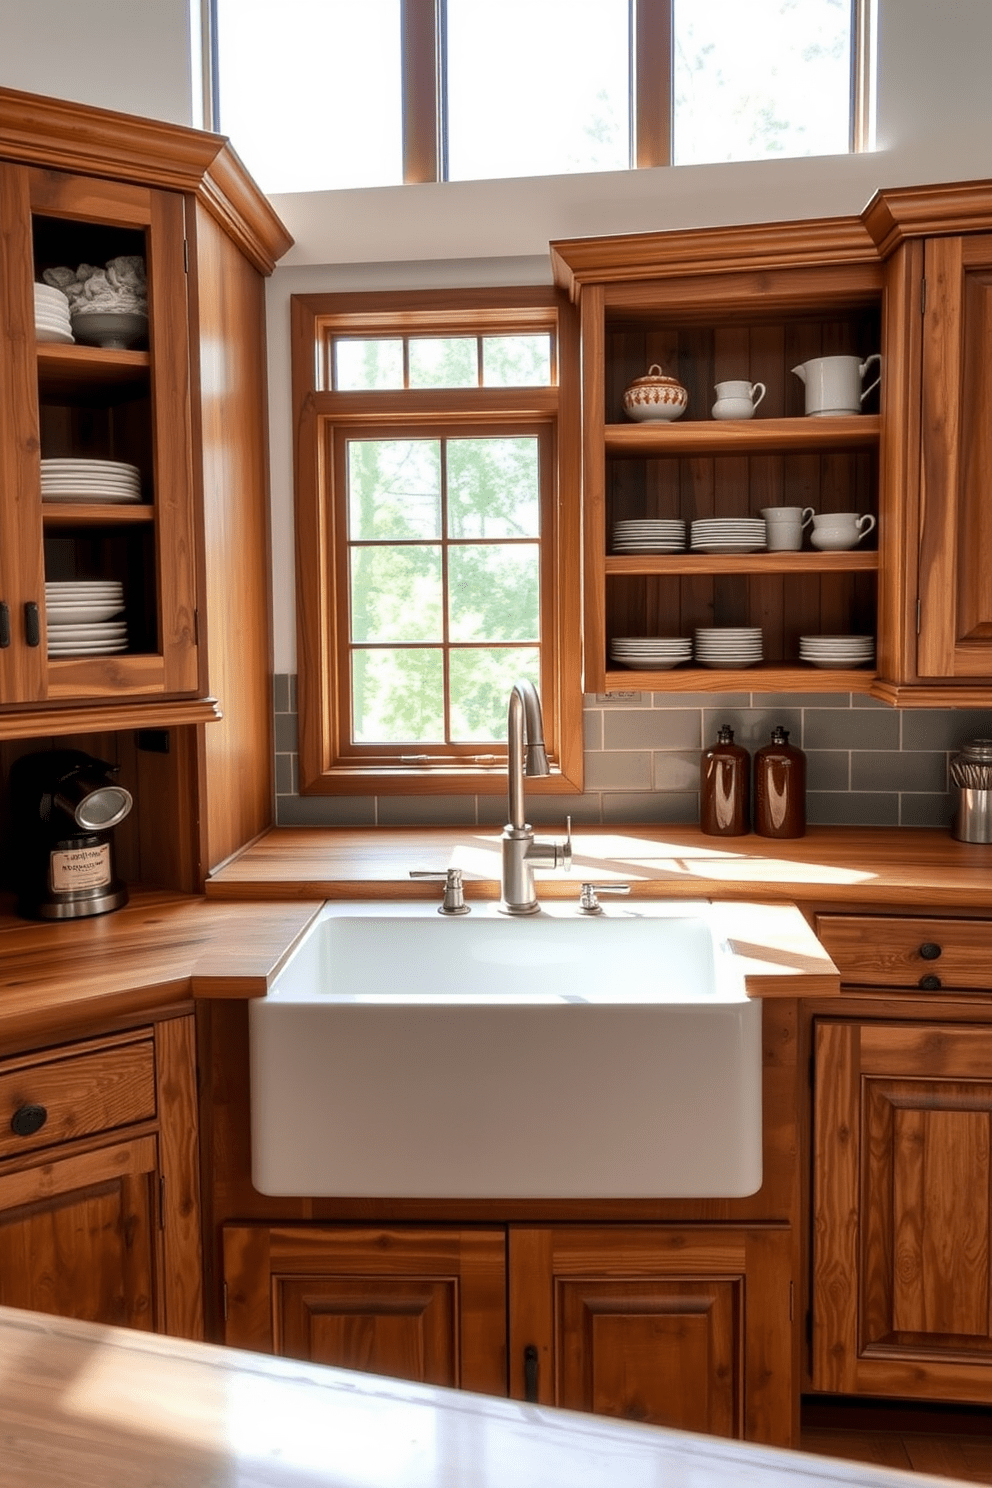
725, 787
780, 788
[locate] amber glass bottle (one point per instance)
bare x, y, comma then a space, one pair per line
780, 788
725, 787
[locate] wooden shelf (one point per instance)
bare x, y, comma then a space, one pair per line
73, 718
741, 563
95, 513
745, 437
770, 677
68, 369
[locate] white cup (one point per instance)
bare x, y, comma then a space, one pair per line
833, 384
737, 400
784, 526
837, 531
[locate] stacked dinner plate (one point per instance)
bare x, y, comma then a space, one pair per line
660, 535
85, 618
837, 650
728, 535
729, 646
51, 314
650, 653
90, 480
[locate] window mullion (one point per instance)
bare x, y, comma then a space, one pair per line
651, 81
421, 67
445, 607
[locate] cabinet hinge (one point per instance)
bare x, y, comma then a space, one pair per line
185, 255
161, 1202
923, 297
224, 1300
919, 611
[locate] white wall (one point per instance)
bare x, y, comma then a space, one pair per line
934, 122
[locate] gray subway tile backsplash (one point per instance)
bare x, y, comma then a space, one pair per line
868, 764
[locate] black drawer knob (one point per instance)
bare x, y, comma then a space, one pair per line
929, 950
26, 1120
930, 983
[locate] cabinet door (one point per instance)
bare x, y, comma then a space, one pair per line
421, 1304
955, 560
902, 1218
79, 1236
688, 1328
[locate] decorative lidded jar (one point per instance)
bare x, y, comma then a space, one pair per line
655, 396
780, 788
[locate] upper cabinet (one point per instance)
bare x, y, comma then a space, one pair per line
751, 306
116, 482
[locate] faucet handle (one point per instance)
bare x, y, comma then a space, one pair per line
566, 847
453, 902
588, 902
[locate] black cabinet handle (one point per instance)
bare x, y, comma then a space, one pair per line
32, 624
530, 1374
930, 951
930, 983
27, 1120
4, 624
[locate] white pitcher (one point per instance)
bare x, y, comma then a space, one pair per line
833, 384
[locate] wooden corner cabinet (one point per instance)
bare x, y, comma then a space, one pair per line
184, 406
99, 1180
752, 304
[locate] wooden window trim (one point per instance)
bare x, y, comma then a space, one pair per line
329, 763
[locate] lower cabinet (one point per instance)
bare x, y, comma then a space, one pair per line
679, 1326
99, 1192
902, 1180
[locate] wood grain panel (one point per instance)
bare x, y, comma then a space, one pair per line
178, 1148
403, 1328
83, 1093
882, 951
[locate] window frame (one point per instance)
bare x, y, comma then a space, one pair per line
329, 762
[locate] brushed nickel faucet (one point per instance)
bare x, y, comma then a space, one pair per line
521, 850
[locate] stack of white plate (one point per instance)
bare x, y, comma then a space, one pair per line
90, 480
660, 535
729, 646
85, 618
728, 535
650, 653
837, 650
51, 314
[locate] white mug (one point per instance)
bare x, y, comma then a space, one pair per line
737, 400
784, 526
833, 384
837, 531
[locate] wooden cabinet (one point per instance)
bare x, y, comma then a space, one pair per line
420, 1304
902, 1218
99, 1185
681, 1326
708, 307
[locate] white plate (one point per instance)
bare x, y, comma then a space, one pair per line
95, 496
65, 614
44, 334
97, 587
109, 630
64, 466
94, 648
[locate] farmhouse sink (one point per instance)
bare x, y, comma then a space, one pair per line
402, 1053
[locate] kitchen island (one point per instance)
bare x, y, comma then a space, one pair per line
85, 1406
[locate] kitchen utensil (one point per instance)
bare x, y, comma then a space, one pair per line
838, 531
833, 384
737, 400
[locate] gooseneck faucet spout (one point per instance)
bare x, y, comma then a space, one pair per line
520, 849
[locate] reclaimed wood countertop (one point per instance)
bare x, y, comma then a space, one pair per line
84, 1406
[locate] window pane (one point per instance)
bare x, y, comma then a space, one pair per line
537, 87
439, 361
493, 488
769, 78
516, 361
480, 686
493, 593
396, 594
398, 697
394, 488
364, 365
311, 91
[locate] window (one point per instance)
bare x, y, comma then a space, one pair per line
321, 94
437, 537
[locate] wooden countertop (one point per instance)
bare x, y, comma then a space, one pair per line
159, 949
904, 869
84, 1406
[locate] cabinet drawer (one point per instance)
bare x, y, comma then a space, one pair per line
74, 1092
926, 954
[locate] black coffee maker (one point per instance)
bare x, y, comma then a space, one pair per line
63, 806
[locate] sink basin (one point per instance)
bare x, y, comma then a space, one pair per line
401, 1053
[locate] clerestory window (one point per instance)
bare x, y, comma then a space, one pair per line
437, 536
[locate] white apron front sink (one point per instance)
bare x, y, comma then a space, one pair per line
401, 1053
